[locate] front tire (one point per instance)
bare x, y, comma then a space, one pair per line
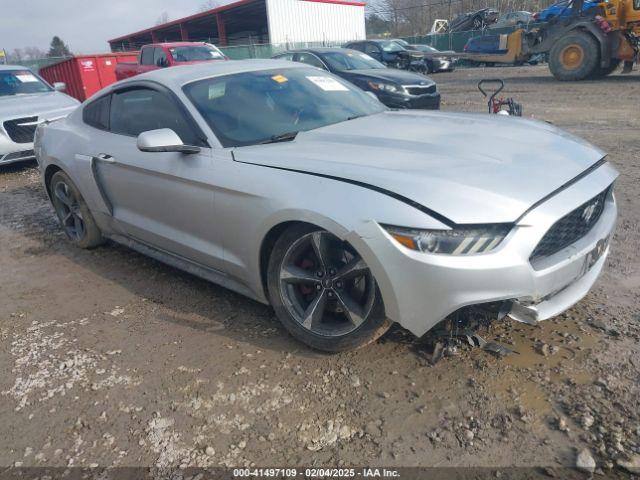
574, 57
323, 292
72, 211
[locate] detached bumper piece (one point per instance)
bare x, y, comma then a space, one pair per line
556, 303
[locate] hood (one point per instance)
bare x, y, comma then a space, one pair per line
401, 77
470, 168
43, 105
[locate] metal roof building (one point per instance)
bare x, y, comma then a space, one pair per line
259, 22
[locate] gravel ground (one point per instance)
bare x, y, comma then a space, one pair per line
113, 359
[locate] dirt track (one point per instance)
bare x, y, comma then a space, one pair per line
111, 358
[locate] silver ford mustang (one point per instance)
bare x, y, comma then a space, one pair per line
25, 101
291, 186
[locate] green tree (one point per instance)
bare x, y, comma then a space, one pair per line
58, 48
376, 25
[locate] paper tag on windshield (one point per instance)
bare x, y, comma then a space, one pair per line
26, 78
328, 84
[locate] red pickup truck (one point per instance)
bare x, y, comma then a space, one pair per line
162, 55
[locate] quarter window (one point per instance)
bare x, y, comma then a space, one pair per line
311, 59
146, 58
96, 114
140, 110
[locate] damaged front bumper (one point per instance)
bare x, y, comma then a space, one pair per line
420, 290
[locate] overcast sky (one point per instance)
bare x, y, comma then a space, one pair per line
85, 25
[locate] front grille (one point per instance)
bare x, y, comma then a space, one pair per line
21, 133
571, 228
418, 90
18, 155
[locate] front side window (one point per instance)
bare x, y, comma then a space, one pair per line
252, 107
21, 82
351, 60
372, 49
196, 53
142, 109
160, 58
96, 114
311, 59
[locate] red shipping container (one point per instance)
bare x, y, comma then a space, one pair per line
86, 74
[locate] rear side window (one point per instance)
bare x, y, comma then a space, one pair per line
142, 109
160, 58
147, 56
96, 114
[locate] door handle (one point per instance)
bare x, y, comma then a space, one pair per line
106, 158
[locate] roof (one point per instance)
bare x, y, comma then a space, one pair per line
206, 13
178, 76
175, 44
319, 50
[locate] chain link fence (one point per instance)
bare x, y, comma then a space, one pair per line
443, 41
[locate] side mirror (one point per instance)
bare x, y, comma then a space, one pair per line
59, 86
163, 140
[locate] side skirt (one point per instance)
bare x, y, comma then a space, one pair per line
181, 263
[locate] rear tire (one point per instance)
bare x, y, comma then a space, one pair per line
603, 72
323, 292
574, 57
72, 211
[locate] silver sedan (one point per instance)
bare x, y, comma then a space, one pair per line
25, 101
293, 187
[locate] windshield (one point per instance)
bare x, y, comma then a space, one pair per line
253, 107
391, 46
352, 60
21, 82
197, 53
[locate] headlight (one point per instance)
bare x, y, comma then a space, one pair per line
458, 241
387, 87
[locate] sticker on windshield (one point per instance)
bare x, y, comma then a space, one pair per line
217, 90
279, 78
328, 84
26, 77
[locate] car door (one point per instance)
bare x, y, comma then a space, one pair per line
162, 199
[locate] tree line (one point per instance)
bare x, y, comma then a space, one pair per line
57, 49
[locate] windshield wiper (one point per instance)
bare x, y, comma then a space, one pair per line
353, 117
283, 137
